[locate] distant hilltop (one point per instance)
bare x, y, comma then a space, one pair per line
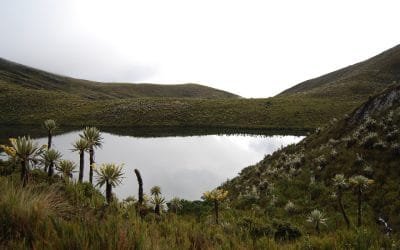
361, 79
11, 72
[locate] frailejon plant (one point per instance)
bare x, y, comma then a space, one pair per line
111, 175
51, 158
50, 126
26, 151
157, 200
216, 196
66, 168
140, 184
340, 183
81, 145
360, 183
175, 204
93, 137
317, 218
290, 208
158, 203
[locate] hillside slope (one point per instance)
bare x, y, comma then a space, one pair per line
366, 142
29, 96
359, 80
32, 78
19, 105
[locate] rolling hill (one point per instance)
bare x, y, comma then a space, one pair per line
35, 79
29, 96
356, 81
365, 142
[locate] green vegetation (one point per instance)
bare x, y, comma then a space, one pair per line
51, 157
317, 218
312, 179
284, 202
297, 198
140, 189
29, 96
94, 140
50, 126
35, 79
30, 107
157, 200
81, 145
340, 183
110, 175
362, 79
216, 196
66, 169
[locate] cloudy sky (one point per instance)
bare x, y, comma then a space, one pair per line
252, 48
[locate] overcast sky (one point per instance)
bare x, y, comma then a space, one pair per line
251, 48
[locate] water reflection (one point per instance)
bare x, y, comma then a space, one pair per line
182, 166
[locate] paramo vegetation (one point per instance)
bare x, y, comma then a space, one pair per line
336, 189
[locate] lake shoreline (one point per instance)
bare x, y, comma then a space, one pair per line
157, 131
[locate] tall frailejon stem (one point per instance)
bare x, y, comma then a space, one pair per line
49, 139
216, 211
51, 169
216, 196
359, 191
341, 183
108, 192
360, 184
94, 140
140, 182
24, 172
50, 125
81, 165
80, 146
91, 162
346, 219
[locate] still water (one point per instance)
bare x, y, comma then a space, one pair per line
183, 166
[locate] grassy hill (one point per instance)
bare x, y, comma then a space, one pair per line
34, 79
295, 180
268, 205
29, 96
359, 80
20, 105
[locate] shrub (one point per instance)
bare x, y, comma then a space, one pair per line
359, 161
25, 213
321, 161
254, 228
395, 148
286, 232
349, 141
369, 140
295, 160
380, 145
290, 208
334, 153
333, 142
370, 123
393, 135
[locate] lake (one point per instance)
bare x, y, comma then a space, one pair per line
183, 166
